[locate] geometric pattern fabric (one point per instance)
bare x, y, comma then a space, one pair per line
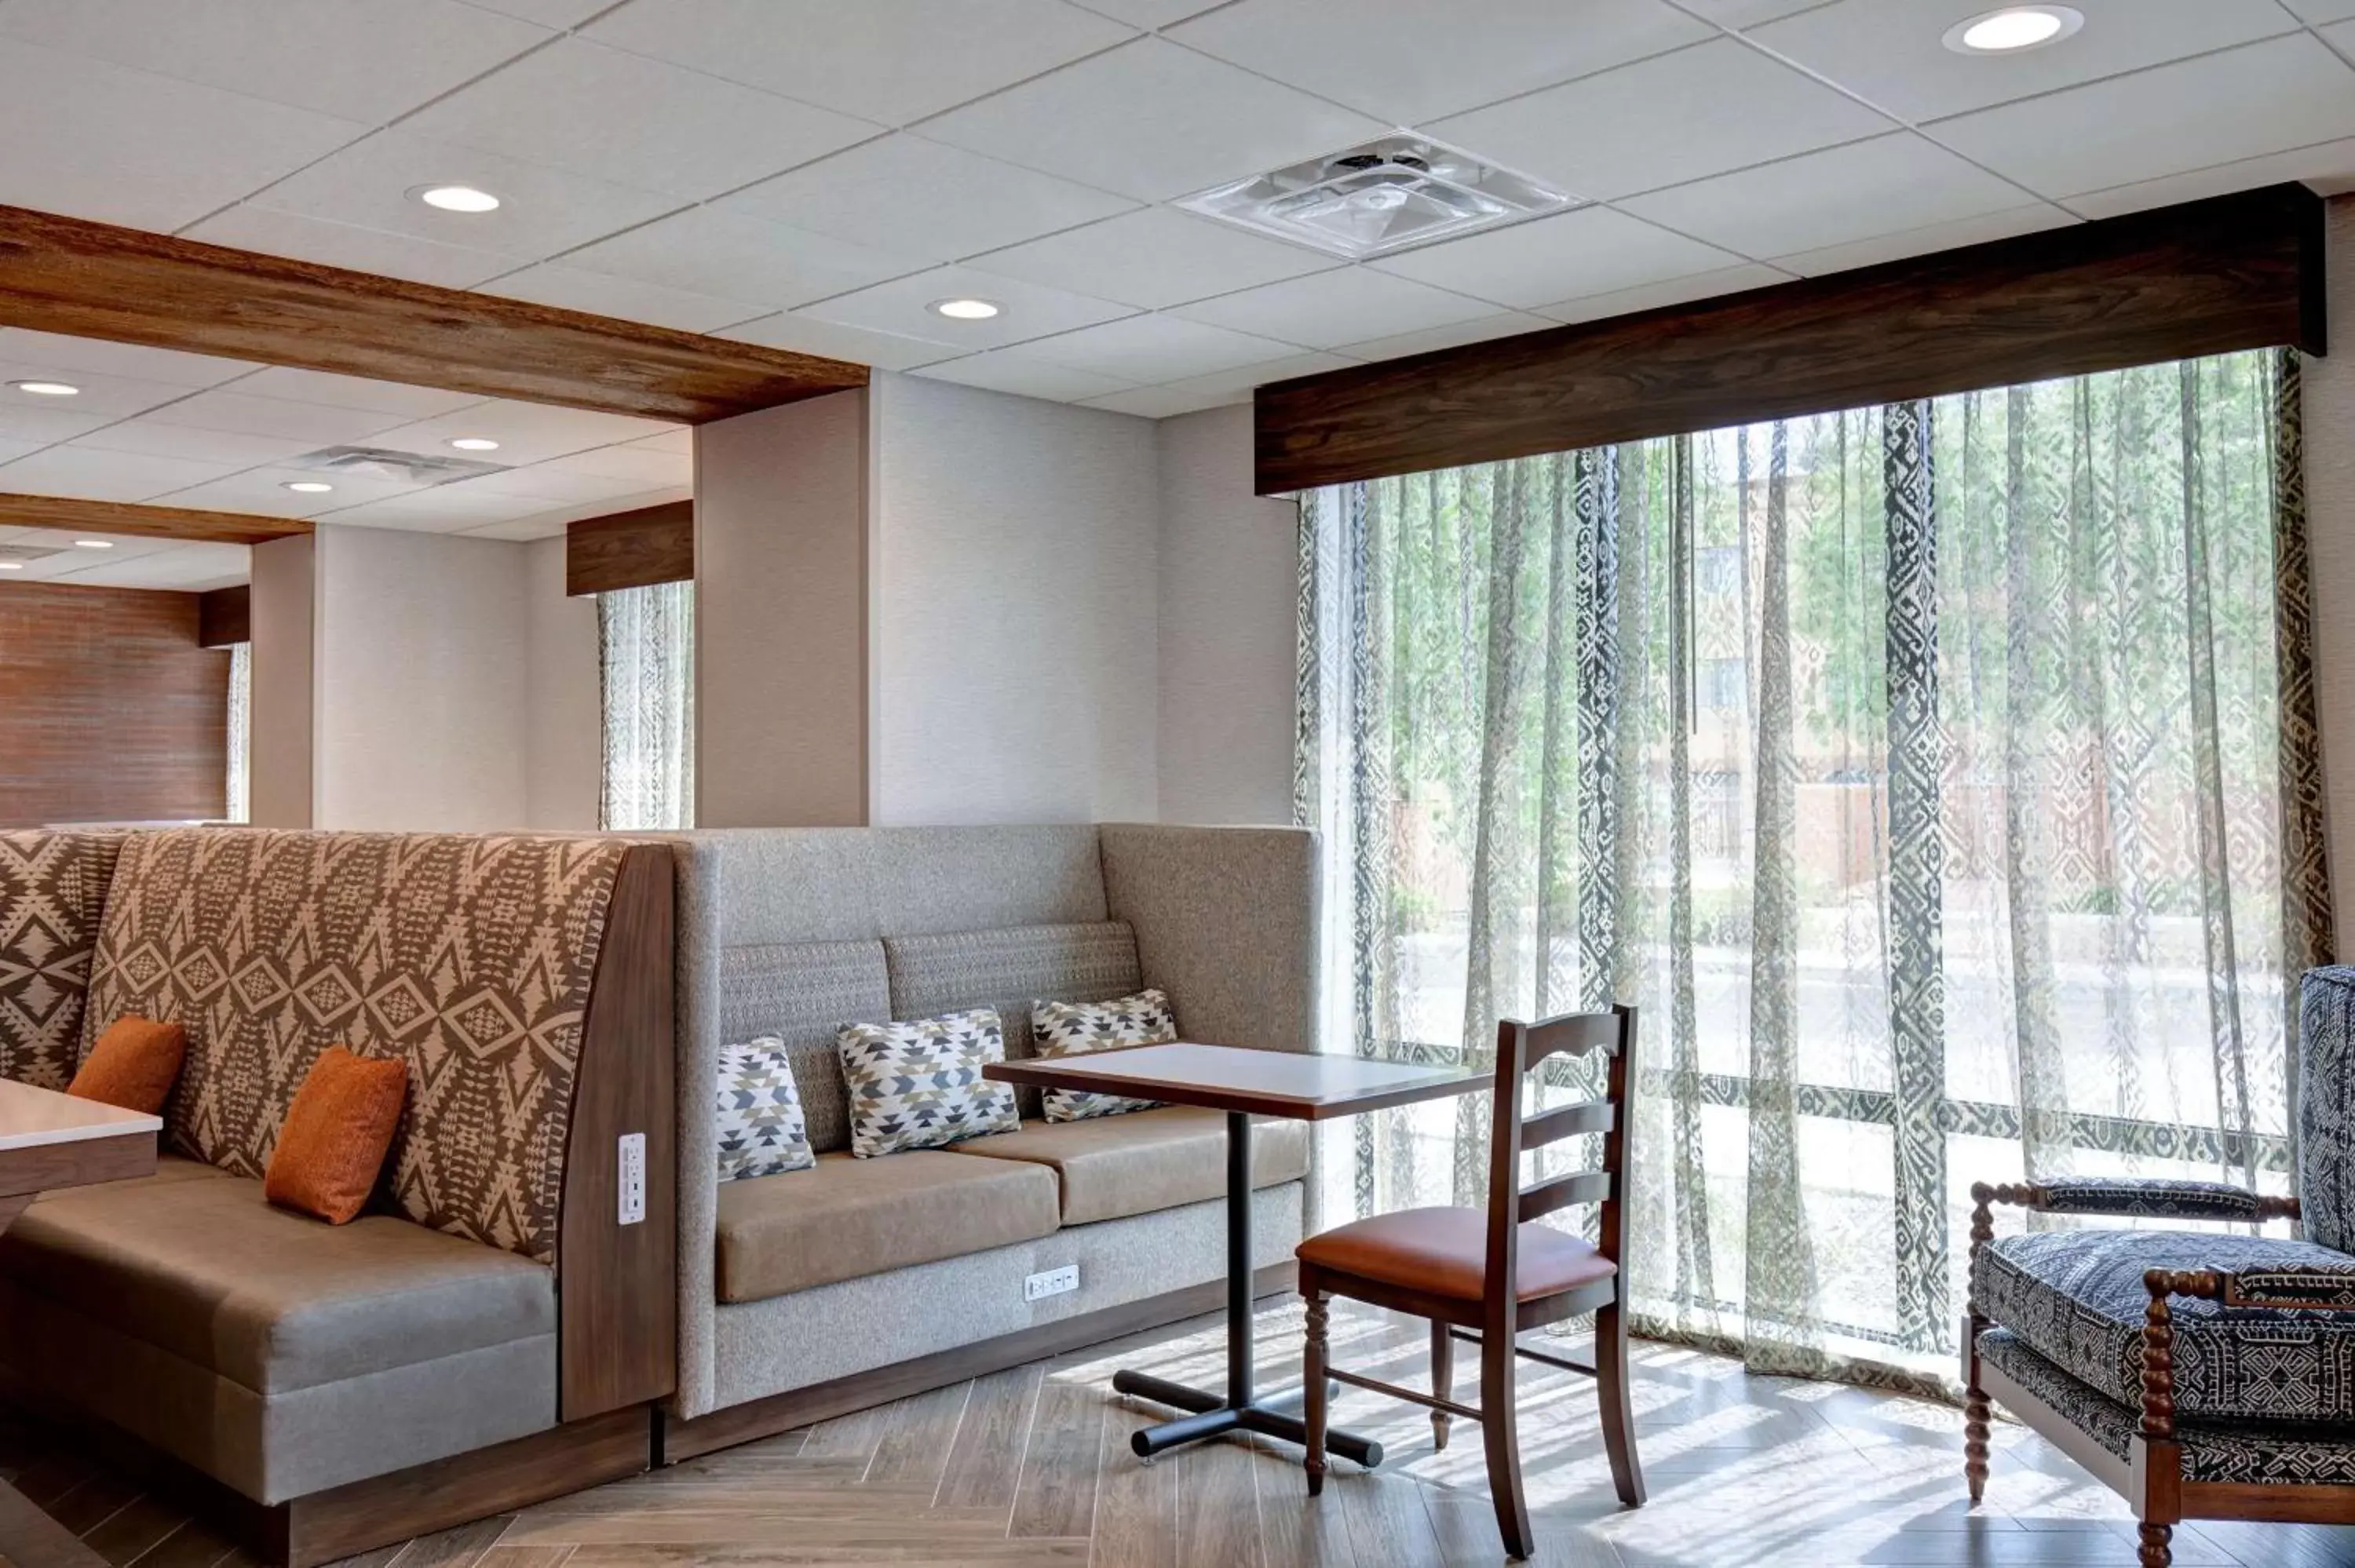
468, 957
52, 892
760, 1128
918, 1084
1073, 1028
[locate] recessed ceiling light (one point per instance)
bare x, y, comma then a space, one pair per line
47, 389
309, 486
456, 198
963, 310
475, 443
95, 544
12, 566
2012, 29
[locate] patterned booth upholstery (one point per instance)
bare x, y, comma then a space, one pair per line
2215, 1370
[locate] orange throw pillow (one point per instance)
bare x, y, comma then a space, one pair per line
336, 1135
133, 1065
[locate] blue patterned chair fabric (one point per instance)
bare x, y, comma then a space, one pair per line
2149, 1198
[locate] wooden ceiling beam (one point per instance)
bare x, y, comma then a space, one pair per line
94, 279
67, 514
638, 548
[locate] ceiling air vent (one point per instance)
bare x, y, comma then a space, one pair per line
1386, 195
403, 468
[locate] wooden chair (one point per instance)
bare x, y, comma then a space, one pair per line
1496, 1272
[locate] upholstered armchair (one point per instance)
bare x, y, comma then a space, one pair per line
2201, 1374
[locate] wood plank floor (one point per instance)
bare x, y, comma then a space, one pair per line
1031, 1468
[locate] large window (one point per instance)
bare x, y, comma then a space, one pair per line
1939, 779
646, 647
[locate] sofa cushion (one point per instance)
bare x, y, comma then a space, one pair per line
1005, 968
801, 993
169, 1168
1075, 1028
209, 1272
918, 1084
2221, 1452
848, 1217
2076, 1298
757, 1109
1111, 1168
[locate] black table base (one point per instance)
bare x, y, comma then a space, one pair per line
1236, 1410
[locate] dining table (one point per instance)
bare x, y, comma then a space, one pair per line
1244, 1082
50, 1141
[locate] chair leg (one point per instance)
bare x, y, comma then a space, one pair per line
1443, 1379
1314, 1395
1975, 1413
1500, 1432
2156, 1550
1618, 1407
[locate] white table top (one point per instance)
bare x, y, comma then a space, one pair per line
1299, 1085
31, 1118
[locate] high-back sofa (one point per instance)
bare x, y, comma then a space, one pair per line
813, 1292
491, 1331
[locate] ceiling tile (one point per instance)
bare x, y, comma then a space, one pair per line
185, 568
20, 421
402, 256
1152, 120
1150, 12
394, 397
2262, 98
1843, 194
1662, 122
1589, 251
685, 133
545, 521
245, 415
546, 13
1746, 13
88, 139
542, 210
544, 485
169, 366
1239, 381
1675, 292
1028, 310
112, 396
263, 490
732, 257
360, 59
1485, 329
226, 449
625, 299
833, 340
1415, 60
11, 450
1154, 257
1147, 350
522, 530
2329, 167
1893, 51
1334, 308
526, 432
103, 476
1023, 373
1161, 402
647, 469
2322, 10
1882, 248
444, 508
893, 61
923, 198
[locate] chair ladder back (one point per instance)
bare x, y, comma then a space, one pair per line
1520, 1048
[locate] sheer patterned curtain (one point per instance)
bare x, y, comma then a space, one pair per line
240, 725
1940, 780
645, 655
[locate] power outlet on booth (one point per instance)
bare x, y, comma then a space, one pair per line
1054, 1282
634, 1178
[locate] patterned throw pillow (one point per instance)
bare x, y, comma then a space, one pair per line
760, 1128
917, 1084
1073, 1028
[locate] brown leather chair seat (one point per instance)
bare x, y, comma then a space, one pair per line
1445, 1252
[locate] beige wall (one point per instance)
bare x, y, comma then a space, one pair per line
2331, 532
780, 616
1229, 626
1015, 630
564, 768
283, 715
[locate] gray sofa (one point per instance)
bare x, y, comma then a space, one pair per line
813, 1292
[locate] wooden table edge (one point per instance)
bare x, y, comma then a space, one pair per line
1069, 1072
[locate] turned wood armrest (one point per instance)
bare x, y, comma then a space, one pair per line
2136, 1197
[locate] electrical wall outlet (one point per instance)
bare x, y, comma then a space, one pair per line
633, 1177
1054, 1282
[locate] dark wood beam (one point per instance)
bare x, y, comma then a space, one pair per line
94, 279
630, 549
225, 617
77, 517
2208, 277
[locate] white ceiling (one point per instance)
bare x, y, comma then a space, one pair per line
809, 175
123, 561
168, 429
